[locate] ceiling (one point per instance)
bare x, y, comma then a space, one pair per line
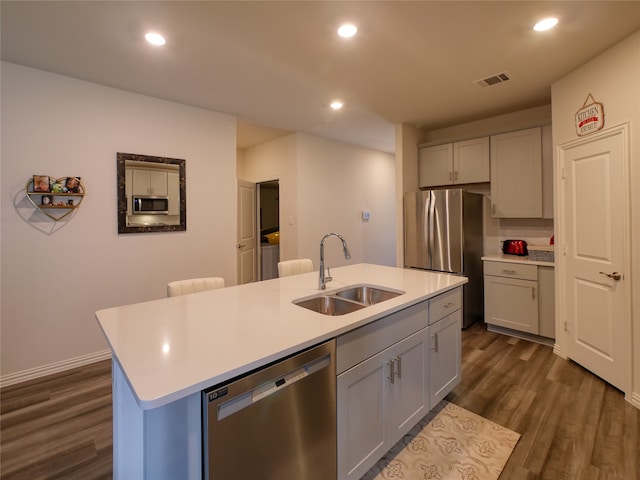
276, 65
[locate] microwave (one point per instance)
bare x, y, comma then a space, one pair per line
150, 205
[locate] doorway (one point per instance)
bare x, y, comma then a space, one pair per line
268, 197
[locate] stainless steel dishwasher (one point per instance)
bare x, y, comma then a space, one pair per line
278, 422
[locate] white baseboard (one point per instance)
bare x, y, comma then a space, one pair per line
635, 399
57, 367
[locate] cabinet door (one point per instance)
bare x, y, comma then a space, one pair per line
445, 356
436, 165
511, 303
516, 174
140, 183
547, 172
408, 399
361, 416
158, 183
149, 182
471, 161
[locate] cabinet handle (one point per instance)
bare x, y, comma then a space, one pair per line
435, 342
509, 272
533, 292
450, 176
449, 305
455, 175
399, 370
392, 378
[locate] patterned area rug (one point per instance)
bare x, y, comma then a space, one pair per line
449, 443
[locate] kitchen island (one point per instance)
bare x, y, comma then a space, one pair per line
166, 351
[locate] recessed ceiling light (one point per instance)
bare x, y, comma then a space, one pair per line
155, 38
347, 30
546, 24
337, 104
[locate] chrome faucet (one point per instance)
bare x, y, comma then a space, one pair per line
322, 284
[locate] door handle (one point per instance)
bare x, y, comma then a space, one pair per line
615, 275
241, 245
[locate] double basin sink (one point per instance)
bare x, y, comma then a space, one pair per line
347, 300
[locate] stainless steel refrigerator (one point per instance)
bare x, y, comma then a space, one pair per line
443, 232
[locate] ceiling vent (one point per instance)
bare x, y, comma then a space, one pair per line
493, 79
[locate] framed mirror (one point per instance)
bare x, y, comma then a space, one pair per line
151, 194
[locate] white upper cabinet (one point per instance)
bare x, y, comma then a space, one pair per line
547, 172
455, 163
516, 174
471, 161
436, 165
149, 182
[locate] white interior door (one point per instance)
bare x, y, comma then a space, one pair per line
246, 246
595, 221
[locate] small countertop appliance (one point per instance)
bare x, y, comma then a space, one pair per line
515, 247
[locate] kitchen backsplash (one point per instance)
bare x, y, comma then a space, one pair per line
535, 231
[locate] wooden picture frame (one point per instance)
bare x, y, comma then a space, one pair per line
73, 185
41, 183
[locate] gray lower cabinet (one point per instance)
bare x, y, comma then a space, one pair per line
520, 297
444, 356
379, 400
389, 372
445, 344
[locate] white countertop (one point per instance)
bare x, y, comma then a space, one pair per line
500, 257
173, 347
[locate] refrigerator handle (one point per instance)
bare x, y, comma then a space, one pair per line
425, 220
431, 221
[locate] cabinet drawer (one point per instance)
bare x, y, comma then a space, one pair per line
364, 342
444, 304
511, 270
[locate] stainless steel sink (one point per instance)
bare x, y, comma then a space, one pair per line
367, 294
347, 300
330, 305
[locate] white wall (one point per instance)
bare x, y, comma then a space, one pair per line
276, 160
407, 140
508, 122
336, 182
613, 78
56, 275
324, 186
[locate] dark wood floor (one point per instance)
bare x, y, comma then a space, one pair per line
573, 425
58, 427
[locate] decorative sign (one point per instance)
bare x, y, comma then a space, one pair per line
590, 118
